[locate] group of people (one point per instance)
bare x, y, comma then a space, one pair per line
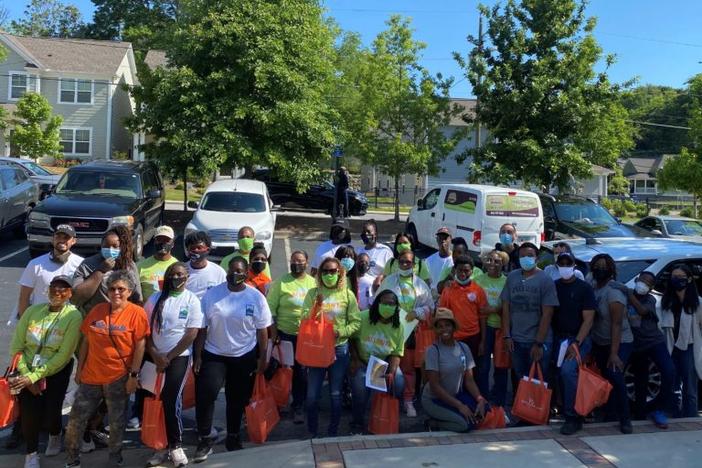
108, 315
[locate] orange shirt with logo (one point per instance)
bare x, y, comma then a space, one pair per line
110, 359
465, 302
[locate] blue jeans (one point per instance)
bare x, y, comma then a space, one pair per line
569, 377
361, 394
664, 362
315, 380
685, 381
618, 400
498, 394
521, 359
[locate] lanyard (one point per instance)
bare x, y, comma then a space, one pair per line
45, 337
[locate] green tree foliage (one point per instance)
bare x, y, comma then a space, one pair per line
49, 18
394, 112
246, 85
549, 114
618, 184
35, 129
683, 172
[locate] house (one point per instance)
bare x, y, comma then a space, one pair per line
641, 173
83, 80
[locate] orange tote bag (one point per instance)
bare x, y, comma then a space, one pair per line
9, 406
153, 422
501, 358
532, 402
189, 390
315, 340
281, 385
424, 337
494, 419
385, 414
593, 390
261, 413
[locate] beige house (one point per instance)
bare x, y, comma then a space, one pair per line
83, 80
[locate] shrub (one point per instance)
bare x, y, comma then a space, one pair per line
642, 210
664, 211
606, 203
686, 212
629, 206
179, 186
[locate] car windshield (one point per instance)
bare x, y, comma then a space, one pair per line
681, 227
236, 202
99, 183
629, 269
577, 211
36, 168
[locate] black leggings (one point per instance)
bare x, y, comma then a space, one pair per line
172, 398
37, 409
237, 376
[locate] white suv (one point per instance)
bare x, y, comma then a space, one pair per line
227, 206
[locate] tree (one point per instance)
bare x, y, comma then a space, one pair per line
394, 112
246, 85
49, 18
35, 129
683, 172
618, 184
550, 116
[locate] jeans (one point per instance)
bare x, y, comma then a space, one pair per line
618, 400
299, 383
498, 394
664, 362
447, 417
569, 377
361, 394
315, 380
521, 359
685, 381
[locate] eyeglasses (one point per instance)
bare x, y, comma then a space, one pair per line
118, 290
405, 262
491, 261
330, 271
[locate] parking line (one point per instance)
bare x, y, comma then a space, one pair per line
286, 244
16, 252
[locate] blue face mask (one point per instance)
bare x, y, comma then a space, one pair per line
527, 263
506, 238
109, 252
347, 263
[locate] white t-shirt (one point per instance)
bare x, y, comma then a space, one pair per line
436, 264
365, 291
179, 313
325, 250
200, 280
379, 256
232, 319
40, 271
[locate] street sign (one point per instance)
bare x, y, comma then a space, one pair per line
338, 152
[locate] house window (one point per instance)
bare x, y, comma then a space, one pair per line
75, 91
21, 83
644, 187
76, 141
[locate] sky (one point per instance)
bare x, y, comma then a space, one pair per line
655, 42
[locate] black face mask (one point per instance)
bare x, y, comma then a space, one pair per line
367, 239
600, 274
176, 283
258, 267
196, 257
297, 268
235, 279
163, 247
362, 268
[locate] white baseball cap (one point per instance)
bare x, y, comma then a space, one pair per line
166, 231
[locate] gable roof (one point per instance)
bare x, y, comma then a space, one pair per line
645, 166
69, 55
155, 58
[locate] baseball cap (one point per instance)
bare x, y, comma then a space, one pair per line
565, 255
65, 229
166, 231
443, 230
62, 279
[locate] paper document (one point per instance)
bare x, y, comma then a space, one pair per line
562, 352
283, 353
147, 377
407, 326
536, 381
375, 374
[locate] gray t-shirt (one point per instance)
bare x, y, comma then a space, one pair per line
451, 362
86, 268
645, 327
602, 328
526, 297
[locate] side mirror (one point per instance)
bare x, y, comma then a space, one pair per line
193, 204
656, 232
550, 219
152, 194
275, 208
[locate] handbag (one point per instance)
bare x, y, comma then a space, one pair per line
281, 385
261, 413
533, 400
153, 422
315, 340
9, 406
592, 391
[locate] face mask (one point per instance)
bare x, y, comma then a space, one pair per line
196, 257
62, 258
347, 263
164, 247
407, 272
109, 252
297, 268
641, 288
678, 283
527, 263
506, 238
463, 282
566, 272
330, 280
245, 244
176, 283
363, 268
386, 310
258, 266
235, 279
600, 274
404, 247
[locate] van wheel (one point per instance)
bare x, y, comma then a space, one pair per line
138, 241
412, 231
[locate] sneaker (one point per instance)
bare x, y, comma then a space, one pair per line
571, 426
31, 460
213, 433
87, 446
659, 419
100, 438
233, 442
53, 446
203, 450
625, 427
115, 459
410, 410
133, 424
72, 464
178, 457
158, 458
298, 416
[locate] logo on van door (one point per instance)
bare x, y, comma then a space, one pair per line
463, 202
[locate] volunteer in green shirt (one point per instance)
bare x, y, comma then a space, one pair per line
405, 242
285, 299
245, 239
45, 339
380, 335
492, 282
152, 269
334, 299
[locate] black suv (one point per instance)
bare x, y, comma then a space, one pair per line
568, 216
96, 195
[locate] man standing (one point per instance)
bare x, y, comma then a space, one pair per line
508, 244
378, 254
440, 260
245, 239
202, 274
342, 195
152, 269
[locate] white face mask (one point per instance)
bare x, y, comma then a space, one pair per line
566, 272
641, 288
407, 272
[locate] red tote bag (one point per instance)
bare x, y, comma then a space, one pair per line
385, 414
532, 402
281, 385
593, 390
9, 406
315, 341
494, 419
153, 422
424, 337
261, 413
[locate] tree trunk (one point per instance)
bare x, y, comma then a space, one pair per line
397, 198
694, 206
185, 190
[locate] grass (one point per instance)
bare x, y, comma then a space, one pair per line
388, 209
173, 194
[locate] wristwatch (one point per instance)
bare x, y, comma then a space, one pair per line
133, 374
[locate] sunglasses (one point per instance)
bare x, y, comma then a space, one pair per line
330, 271
118, 290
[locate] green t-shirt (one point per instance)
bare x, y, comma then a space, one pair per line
420, 269
446, 272
340, 305
380, 339
225, 261
285, 299
151, 273
493, 288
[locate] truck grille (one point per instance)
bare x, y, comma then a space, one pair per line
82, 224
224, 235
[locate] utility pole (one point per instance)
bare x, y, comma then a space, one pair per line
477, 100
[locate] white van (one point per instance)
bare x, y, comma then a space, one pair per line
476, 212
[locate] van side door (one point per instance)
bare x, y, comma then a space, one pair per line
461, 209
425, 214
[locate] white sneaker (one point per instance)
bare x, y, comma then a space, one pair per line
134, 423
409, 409
53, 446
213, 433
178, 457
158, 458
86, 447
31, 460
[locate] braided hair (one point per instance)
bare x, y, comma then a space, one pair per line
157, 314
126, 247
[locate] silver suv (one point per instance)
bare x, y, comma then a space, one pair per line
18, 196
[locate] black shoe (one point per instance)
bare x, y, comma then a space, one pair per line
203, 450
571, 426
16, 438
115, 459
233, 442
625, 427
72, 464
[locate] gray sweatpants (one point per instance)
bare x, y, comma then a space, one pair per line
446, 419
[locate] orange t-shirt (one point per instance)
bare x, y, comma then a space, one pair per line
465, 302
103, 364
259, 281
